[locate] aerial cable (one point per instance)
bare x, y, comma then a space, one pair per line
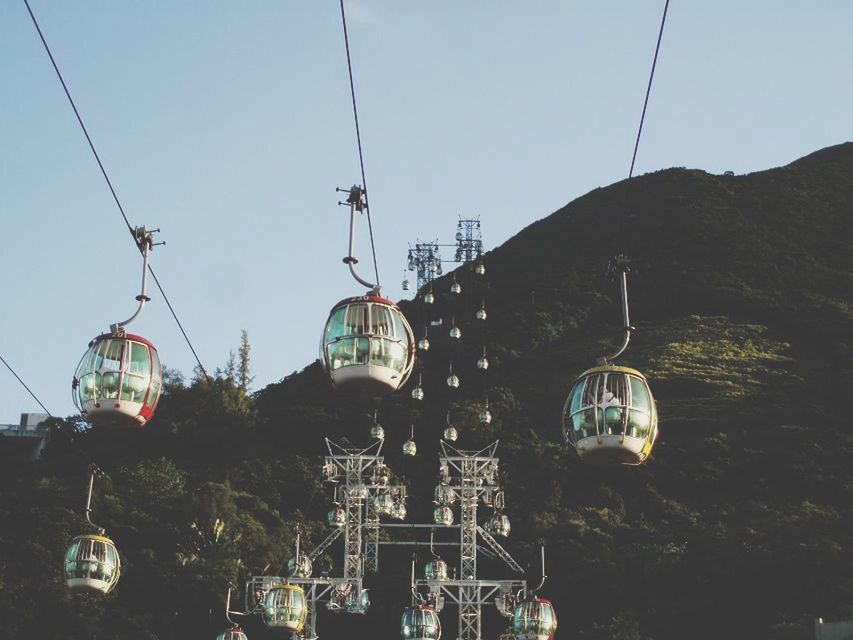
648, 90
35, 397
130, 227
358, 141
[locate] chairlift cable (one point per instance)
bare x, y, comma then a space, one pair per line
358, 141
648, 91
111, 188
35, 397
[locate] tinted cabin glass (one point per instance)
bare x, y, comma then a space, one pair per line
639, 419
335, 326
381, 322
156, 381
354, 319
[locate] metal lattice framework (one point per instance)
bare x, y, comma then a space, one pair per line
473, 476
425, 257
359, 477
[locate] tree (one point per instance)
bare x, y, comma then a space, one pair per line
244, 377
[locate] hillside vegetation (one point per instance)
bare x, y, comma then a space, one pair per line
739, 526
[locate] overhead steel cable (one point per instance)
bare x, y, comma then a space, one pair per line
648, 90
358, 140
130, 227
35, 397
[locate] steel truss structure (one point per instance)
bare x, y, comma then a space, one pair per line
359, 478
425, 257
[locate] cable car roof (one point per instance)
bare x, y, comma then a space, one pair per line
92, 536
370, 297
612, 368
126, 336
532, 598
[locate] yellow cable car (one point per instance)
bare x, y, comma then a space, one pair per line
285, 607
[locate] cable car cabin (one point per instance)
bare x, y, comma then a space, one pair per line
118, 380
435, 569
285, 608
368, 346
92, 564
420, 623
534, 619
234, 633
610, 416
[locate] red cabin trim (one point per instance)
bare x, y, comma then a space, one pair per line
366, 298
128, 336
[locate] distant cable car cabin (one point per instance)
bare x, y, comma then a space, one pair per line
610, 416
234, 633
534, 619
420, 622
285, 607
92, 564
368, 346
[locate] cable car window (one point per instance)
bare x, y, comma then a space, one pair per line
89, 385
354, 319
109, 385
156, 381
639, 394
113, 355
583, 424
99, 355
381, 323
638, 423
139, 361
341, 353
362, 350
399, 328
335, 326
614, 391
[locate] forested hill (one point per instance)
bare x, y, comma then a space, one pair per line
739, 526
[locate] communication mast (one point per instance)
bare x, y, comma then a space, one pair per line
425, 257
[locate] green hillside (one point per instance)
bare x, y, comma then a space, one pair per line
739, 526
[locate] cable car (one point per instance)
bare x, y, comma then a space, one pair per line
498, 525
92, 564
534, 619
420, 622
368, 346
285, 607
445, 495
357, 602
610, 416
300, 566
337, 516
118, 380
234, 633
399, 510
383, 504
443, 515
436, 569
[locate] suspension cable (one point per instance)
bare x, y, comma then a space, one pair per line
648, 90
358, 140
111, 188
35, 397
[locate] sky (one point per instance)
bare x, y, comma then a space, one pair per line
229, 125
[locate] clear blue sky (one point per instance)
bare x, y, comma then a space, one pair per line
228, 125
